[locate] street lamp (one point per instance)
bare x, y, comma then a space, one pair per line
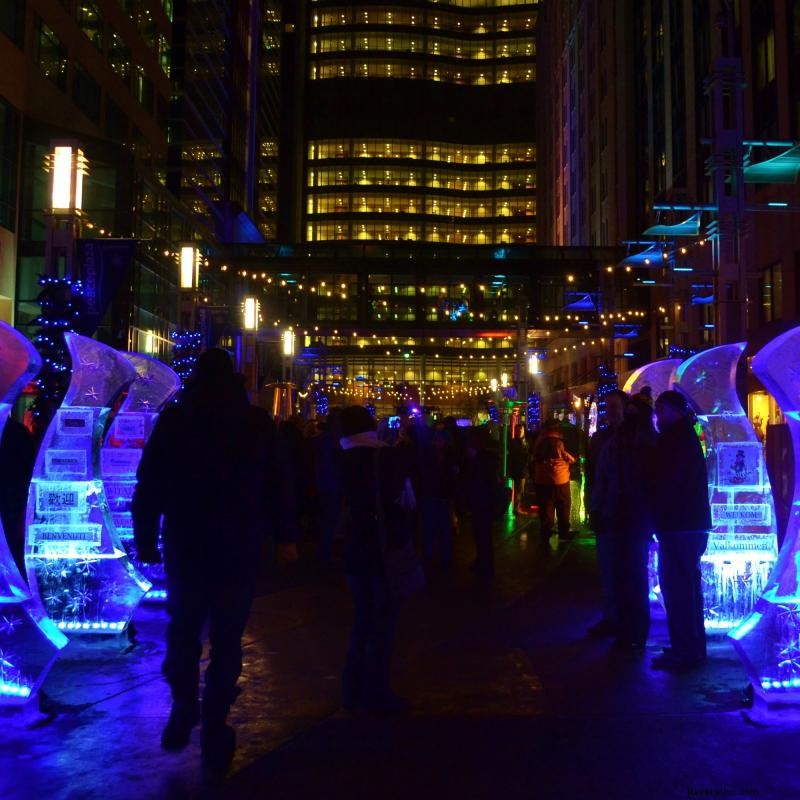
251, 312
190, 267
288, 354
533, 364
67, 166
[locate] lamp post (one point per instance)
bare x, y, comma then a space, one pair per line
67, 167
248, 360
288, 355
188, 284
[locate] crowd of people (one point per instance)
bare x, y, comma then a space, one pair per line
222, 474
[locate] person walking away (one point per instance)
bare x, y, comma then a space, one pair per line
682, 519
435, 490
328, 480
477, 480
518, 457
621, 502
213, 468
551, 464
372, 473
608, 625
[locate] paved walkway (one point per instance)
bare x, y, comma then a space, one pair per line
510, 700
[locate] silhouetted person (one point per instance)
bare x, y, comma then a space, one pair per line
328, 481
17, 457
622, 501
478, 479
683, 519
615, 411
212, 468
373, 473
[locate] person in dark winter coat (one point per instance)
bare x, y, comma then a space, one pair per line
616, 401
682, 521
373, 473
477, 482
518, 457
17, 457
621, 505
551, 468
213, 468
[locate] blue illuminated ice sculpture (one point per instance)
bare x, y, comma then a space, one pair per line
743, 544
768, 641
659, 376
153, 388
74, 558
29, 641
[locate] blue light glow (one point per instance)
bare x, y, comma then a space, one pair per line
29, 643
76, 563
742, 545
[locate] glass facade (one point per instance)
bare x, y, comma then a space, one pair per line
431, 191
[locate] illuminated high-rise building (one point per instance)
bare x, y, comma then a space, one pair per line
419, 122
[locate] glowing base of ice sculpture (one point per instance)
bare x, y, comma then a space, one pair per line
732, 584
97, 593
768, 643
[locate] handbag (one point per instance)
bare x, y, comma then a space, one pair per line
401, 565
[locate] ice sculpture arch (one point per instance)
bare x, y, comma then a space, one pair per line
154, 386
658, 375
768, 641
74, 558
742, 545
29, 641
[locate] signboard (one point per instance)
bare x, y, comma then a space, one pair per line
65, 462
119, 460
739, 466
129, 426
75, 422
61, 497
740, 514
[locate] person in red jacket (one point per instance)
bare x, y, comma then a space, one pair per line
550, 470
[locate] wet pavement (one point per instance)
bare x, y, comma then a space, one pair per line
509, 698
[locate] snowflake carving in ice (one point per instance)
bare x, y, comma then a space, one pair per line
91, 393
9, 623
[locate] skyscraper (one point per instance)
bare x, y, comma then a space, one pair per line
419, 122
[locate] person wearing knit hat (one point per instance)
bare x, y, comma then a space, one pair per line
682, 518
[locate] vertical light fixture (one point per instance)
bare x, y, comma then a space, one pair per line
533, 364
288, 343
251, 311
67, 165
190, 267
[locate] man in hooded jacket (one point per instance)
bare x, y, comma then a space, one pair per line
211, 468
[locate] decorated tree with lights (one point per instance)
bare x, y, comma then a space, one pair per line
62, 305
607, 383
185, 351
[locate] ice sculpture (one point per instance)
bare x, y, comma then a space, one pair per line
659, 376
155, 384
743, 544
29, 641
768, 641
74, 558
